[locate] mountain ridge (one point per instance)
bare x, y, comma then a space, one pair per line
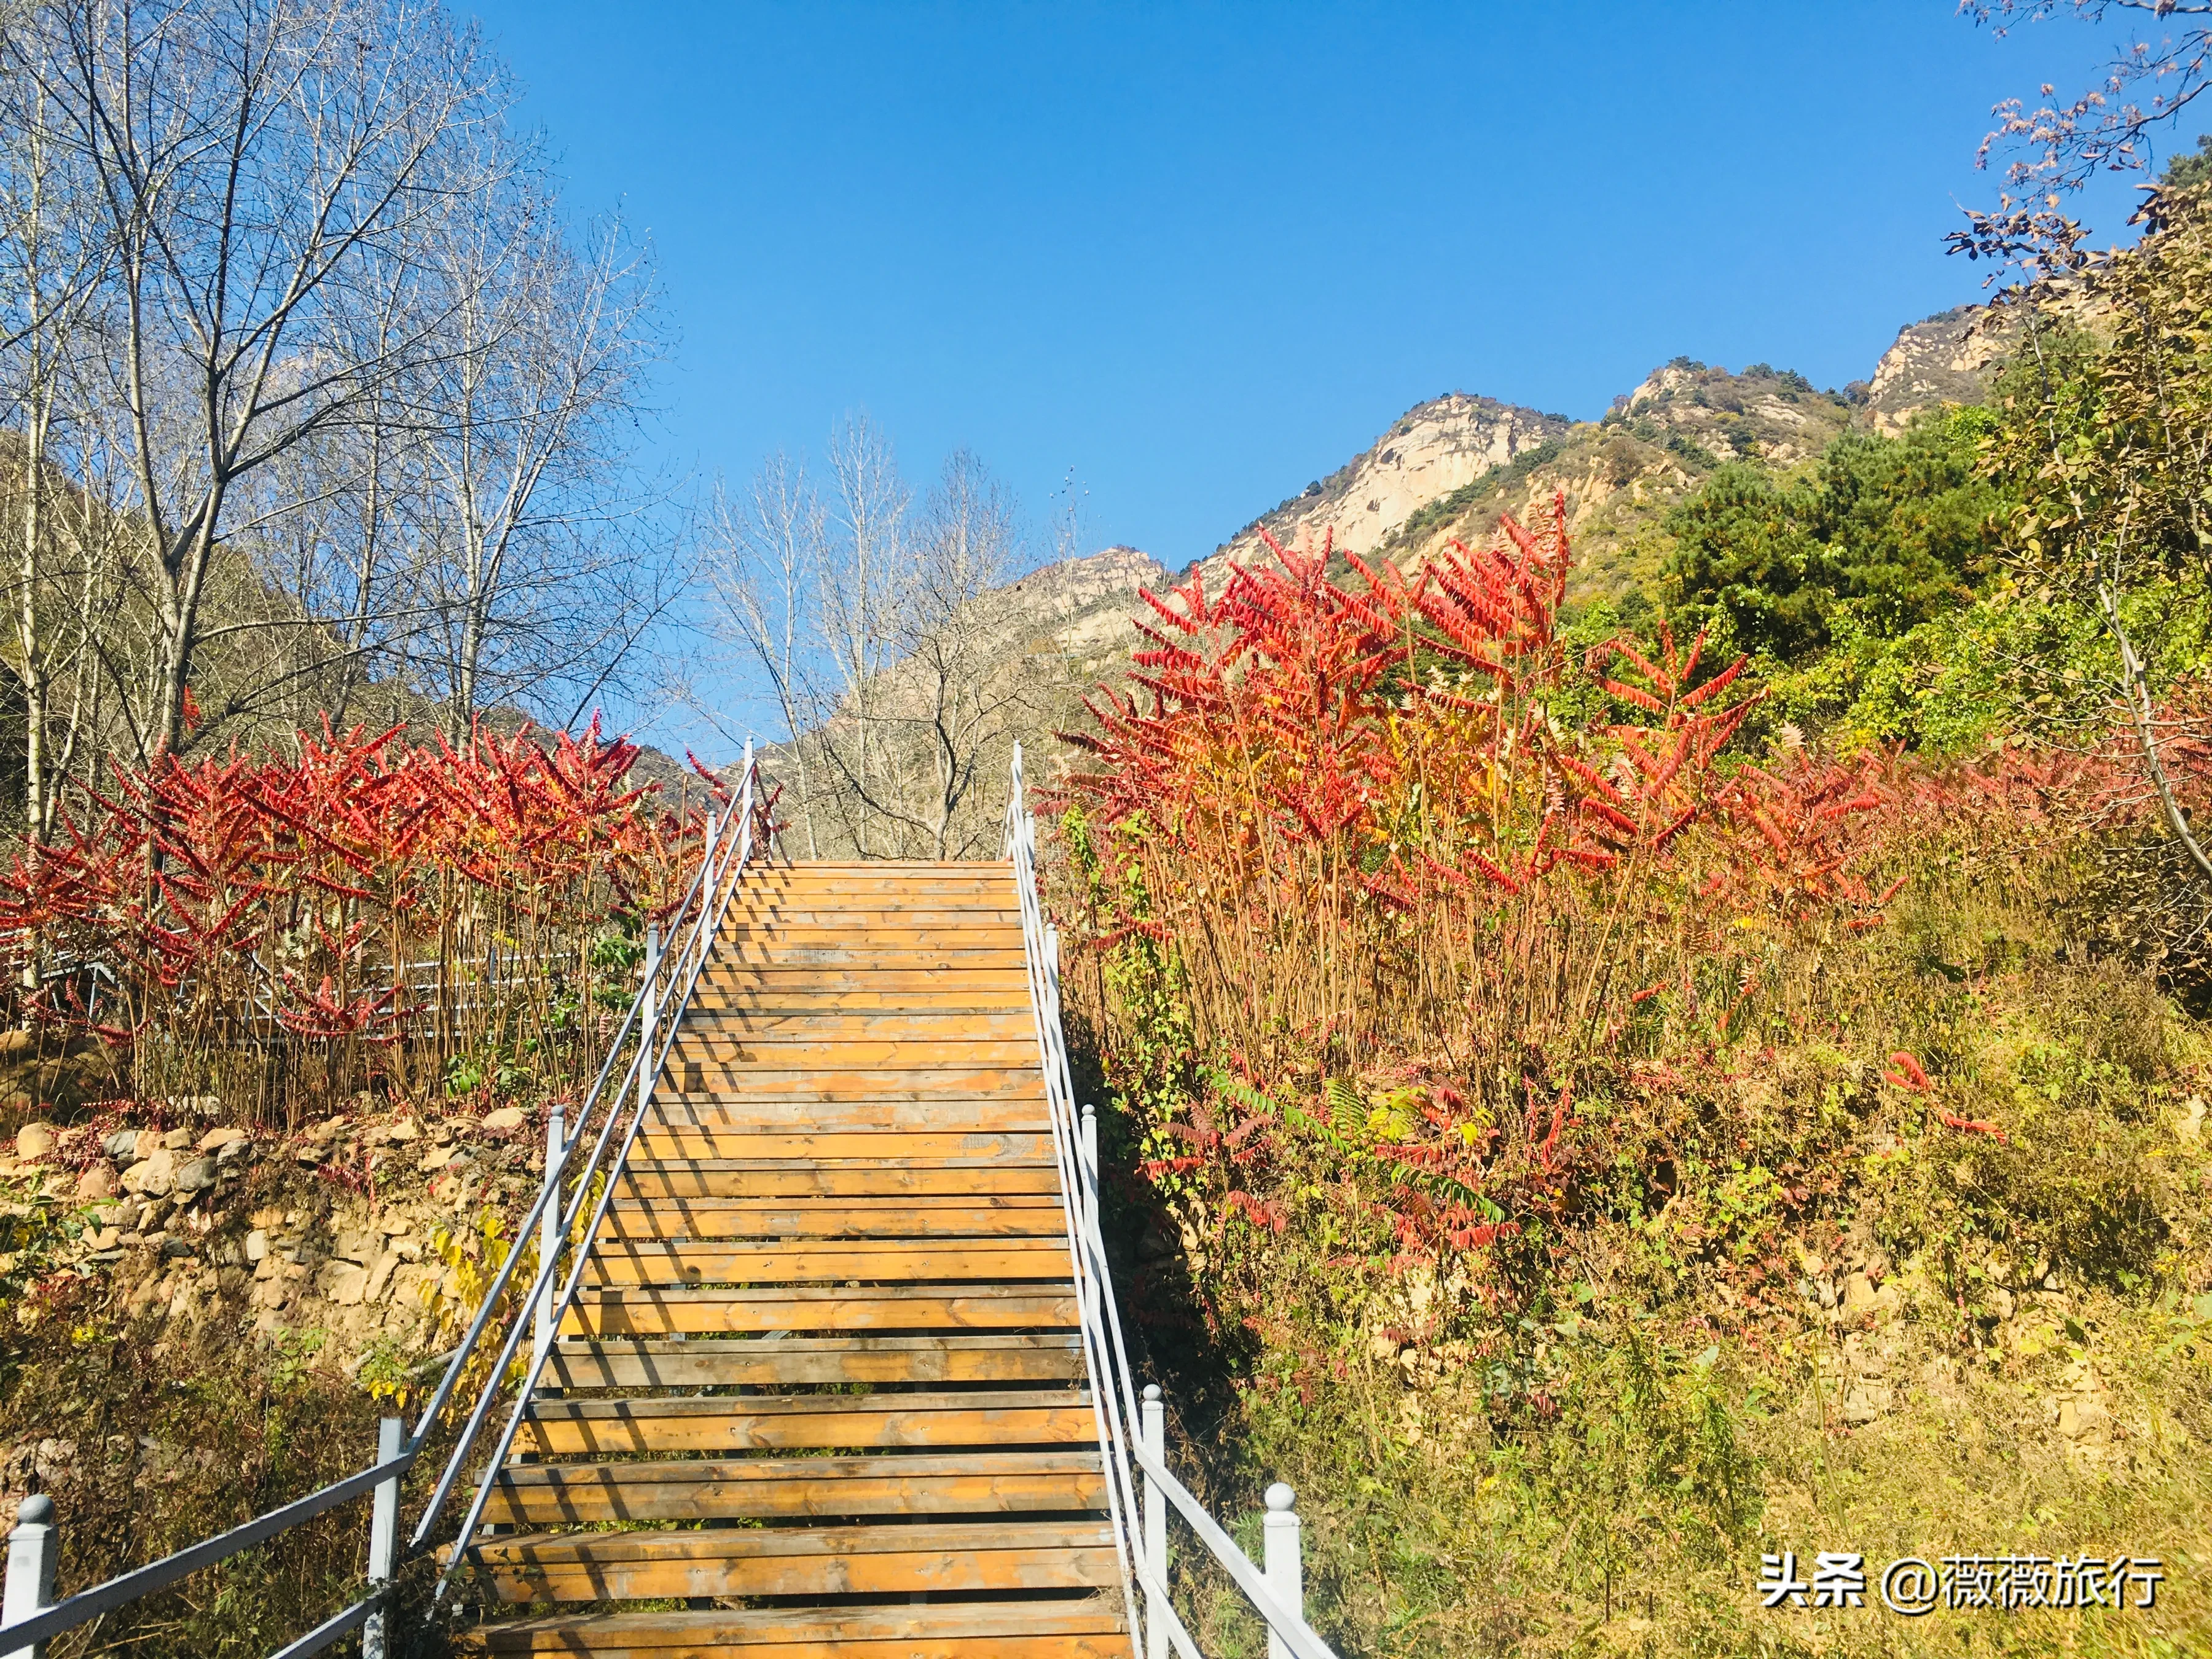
1447, 467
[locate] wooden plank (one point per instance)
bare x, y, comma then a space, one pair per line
751, 964
920, 1146
869, 1261
1012, 1214
786, 979
752, 1112
927, 913
900, 930
814, 1361
1011, 996
794, 1488
609, 1428
654, 1183
1064, 1627
908, 1560
890, 947
740, 1026
651, 1312
886, 869
796, 1052
964, 1082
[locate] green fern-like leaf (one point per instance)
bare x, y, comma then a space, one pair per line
1345, 1108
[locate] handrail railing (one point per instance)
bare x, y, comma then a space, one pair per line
26, 1624
1142, 1553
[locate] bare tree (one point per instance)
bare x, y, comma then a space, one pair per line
527, 417
938, 711
266, 167
765, 557
858, 584
51, 252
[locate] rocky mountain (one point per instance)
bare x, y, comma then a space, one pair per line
1447, 468
1948, 358
1432, 451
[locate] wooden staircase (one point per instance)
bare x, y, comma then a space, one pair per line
823, 1391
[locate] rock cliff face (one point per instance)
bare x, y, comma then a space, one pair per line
1950, 357
1431, 450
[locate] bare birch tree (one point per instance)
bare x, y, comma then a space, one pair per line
527, 416
858, 584
765, 556
258, 161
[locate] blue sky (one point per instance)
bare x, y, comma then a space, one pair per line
1199, 255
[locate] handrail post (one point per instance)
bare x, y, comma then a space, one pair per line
1155, 1431
383, 1538
1091, 1160
549, 1224
1285, 1574
31, 1549
648, 1033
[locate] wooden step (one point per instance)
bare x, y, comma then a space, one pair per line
921, 1560
654, 1183
1060, 1628
722, 1026
733, 955
819, 914
754, 1112
720, 985
951, 1080
797, 1051
815, 1361
608, 1428
894, 1145
1034, 1214
794, 1488
805, 1307
868, 1260
1008, 993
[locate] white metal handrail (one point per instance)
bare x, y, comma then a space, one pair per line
1274, 1593
27, 1620
658, 1014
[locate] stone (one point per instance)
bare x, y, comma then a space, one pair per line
108, 1239
215, 1139
97, 1182
356, 1246
436, 1159
232, 1153
176, 1139
1866, 1398
14, 1044
35, 1139
404, 1128
2078, 1419
1864, 1301
154, 1176
122, 1146
257, 1245
197, 1176
506, 1120
407, 1249
343, 1282
379, 1276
